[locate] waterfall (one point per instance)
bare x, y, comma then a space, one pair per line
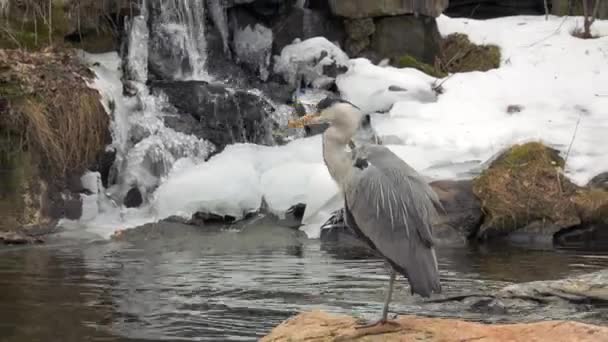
179, 36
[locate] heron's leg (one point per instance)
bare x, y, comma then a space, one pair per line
387, 301
389, 295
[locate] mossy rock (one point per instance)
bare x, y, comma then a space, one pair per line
408, 61
458, 54
522, 186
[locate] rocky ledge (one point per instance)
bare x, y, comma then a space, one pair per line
321, 326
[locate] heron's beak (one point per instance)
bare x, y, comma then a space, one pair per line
309, 119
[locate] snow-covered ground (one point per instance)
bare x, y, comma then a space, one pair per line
557, 79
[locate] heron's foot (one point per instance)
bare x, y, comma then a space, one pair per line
383, 323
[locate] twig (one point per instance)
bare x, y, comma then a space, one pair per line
551, 35
572, 140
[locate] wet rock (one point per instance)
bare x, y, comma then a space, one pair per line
407, 35
252, 43
303, 23
463, 213
321, 326
216, 113
599, 182
104, 165
375, 8
18, 238
590, 236
133, 199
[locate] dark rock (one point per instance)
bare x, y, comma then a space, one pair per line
335, 232
319, 5
354, 47
357, 29
485, 9
133, 198
270, 9
304, 23
104, 165
64, 205
599, 182
213, 112
376, 8
589, 236
18, 238
358, 33
512, 109
462, 208
407, 35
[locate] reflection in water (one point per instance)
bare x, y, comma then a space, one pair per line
179, 283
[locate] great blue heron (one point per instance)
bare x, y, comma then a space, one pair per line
387, 203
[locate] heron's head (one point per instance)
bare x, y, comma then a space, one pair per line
336, 112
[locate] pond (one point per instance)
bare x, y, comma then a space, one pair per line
182, 283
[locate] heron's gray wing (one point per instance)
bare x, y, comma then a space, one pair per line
393, 207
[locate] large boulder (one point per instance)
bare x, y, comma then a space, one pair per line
216, 113
377, 8
321, 326
484, 9
303, 23
416, 36
462, 214
524, 192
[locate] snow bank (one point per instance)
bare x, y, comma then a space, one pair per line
556, 79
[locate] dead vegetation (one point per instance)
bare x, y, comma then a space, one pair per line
35, 24
522, 186
48, 106
525, 188
457, 54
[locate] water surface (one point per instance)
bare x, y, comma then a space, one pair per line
183, 283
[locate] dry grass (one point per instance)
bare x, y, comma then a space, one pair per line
56, 113
458, 54
524, 185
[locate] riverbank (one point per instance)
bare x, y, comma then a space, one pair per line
321, 326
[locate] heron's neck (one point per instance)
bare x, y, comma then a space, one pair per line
336, 158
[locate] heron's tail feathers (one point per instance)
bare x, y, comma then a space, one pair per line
422, 270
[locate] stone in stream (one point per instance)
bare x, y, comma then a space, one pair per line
527, 199
321, 326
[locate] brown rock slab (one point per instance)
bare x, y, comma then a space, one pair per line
321, 326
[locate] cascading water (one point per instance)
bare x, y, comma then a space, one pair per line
146, 149
178, 39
